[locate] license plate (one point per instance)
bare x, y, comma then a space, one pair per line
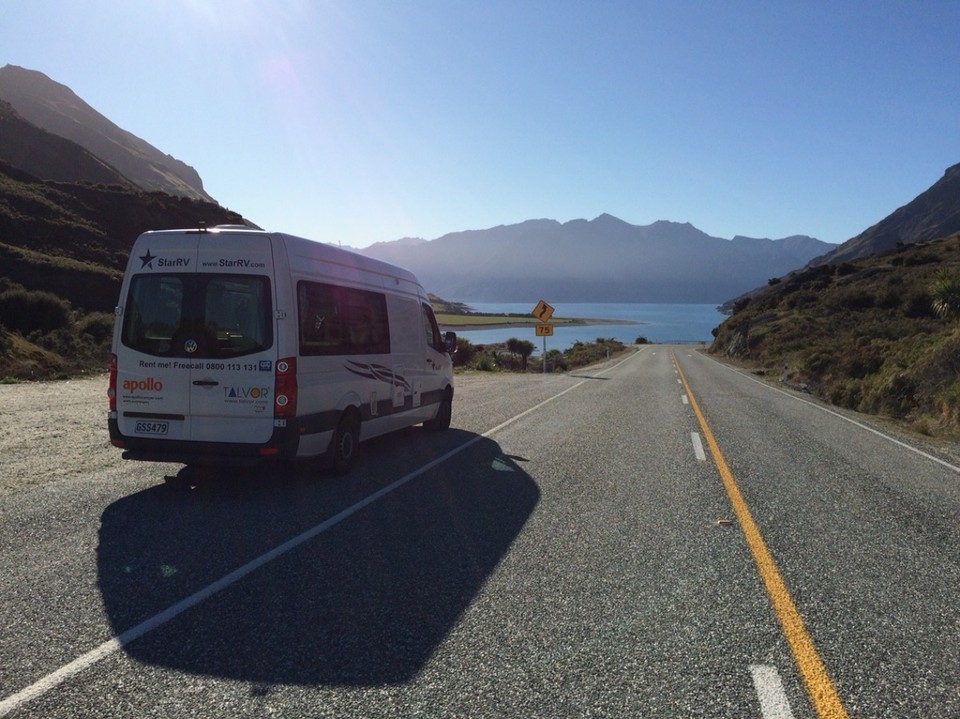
151, 427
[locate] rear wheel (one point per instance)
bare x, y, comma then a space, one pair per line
345, 445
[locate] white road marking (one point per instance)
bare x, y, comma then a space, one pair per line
773, 698
683, 398
698, 447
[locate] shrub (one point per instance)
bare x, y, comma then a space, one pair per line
99, 326
26, 311
484, 363
464, 353
889, 300
556, 361
846, 393
861, 362
918, 305
844, 269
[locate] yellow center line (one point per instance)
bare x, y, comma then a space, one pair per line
823, 694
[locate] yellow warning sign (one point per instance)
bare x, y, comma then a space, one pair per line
542, 312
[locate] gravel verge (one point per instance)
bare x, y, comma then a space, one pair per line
53, 430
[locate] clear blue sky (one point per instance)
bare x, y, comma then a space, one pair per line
358, 121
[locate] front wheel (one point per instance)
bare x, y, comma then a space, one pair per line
444, 413
345, 445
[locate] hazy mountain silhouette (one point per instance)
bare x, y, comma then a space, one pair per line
57, 109
600, 260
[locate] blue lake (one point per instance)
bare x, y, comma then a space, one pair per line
659, 323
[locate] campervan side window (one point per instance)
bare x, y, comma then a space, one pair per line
430, 328
216, 316
341, 320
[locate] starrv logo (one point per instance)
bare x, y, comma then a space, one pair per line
144, 385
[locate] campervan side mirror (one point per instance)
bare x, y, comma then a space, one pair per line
450, 342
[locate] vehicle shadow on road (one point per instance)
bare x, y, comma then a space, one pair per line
365, 602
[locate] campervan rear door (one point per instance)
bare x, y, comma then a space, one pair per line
233, 362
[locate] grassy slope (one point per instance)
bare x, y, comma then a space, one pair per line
862, 335
73, 239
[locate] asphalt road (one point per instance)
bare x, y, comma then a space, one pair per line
659, 536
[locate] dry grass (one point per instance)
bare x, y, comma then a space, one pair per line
863, 335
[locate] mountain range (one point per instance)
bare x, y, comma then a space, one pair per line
600, 260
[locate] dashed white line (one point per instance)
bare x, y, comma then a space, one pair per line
773, 698
698, 447
683, 398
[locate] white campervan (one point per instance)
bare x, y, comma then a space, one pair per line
233, 344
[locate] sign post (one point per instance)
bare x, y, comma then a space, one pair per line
543, 312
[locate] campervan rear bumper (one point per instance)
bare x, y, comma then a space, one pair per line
281, 446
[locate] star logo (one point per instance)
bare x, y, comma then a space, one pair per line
147, 260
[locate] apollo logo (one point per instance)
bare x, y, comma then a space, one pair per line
144, 385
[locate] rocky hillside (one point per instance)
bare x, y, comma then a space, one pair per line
861, 334
43, 154
55, 108
934, 213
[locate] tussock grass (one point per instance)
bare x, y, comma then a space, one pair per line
863, 335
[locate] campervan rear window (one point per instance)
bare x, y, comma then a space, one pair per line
206, 316
342, 320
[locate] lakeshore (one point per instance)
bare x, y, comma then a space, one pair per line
465, 323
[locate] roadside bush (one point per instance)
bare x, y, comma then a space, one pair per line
464, 353
861, 362
918, 305
556, 362
820, 363
896, 396
506, 361
845, 393
484, 363
851, 299
889, 300
27, 311
99, 326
